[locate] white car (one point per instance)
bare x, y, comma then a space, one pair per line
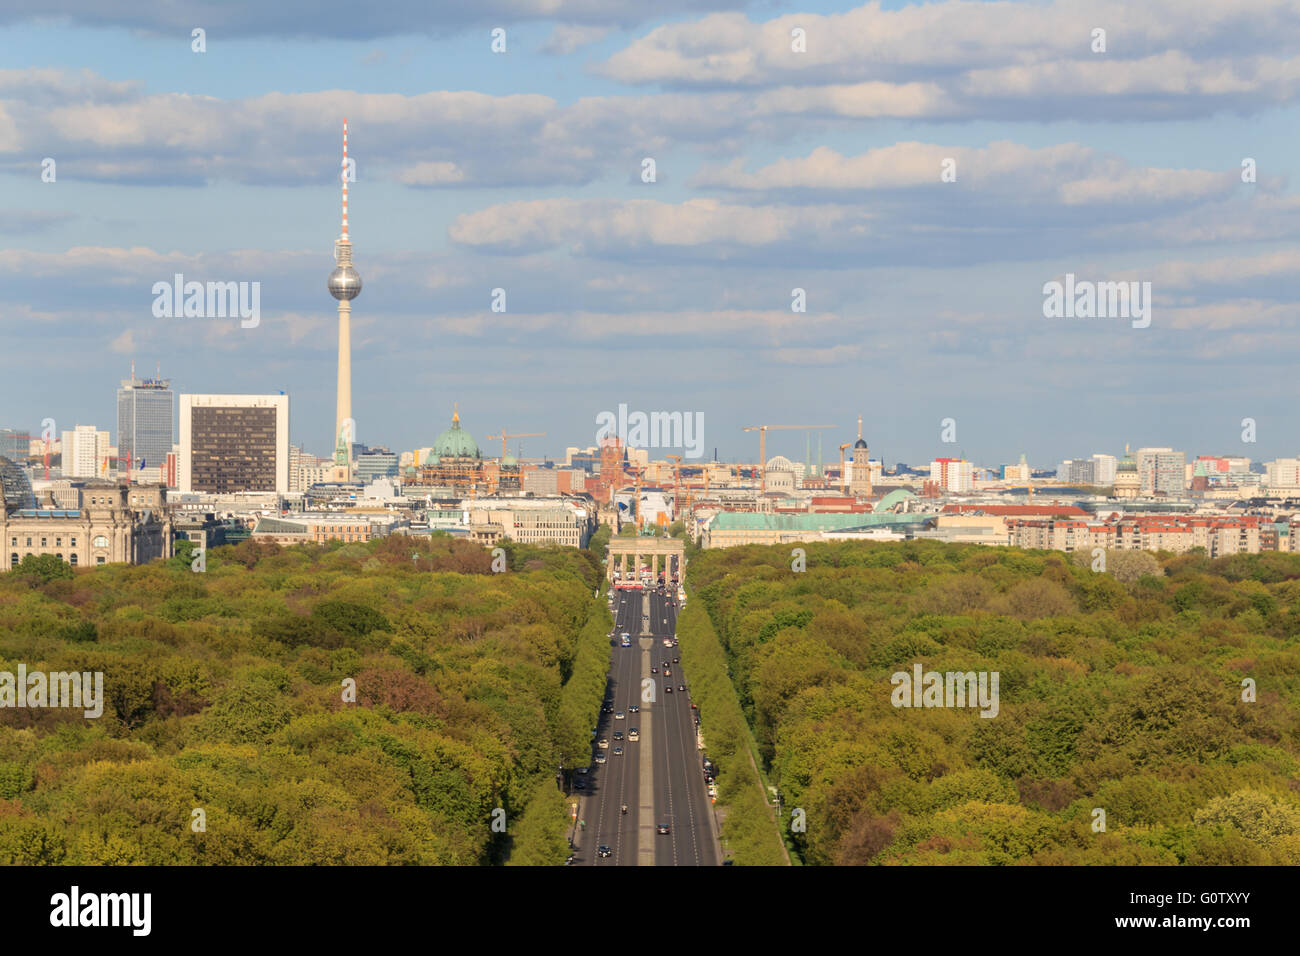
603, 743
620, 716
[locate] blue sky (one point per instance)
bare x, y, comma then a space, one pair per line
776, 170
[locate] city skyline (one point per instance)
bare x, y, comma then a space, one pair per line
525, 171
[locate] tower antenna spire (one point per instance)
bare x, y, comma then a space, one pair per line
345, 179
345, 285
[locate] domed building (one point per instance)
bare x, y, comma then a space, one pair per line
455, 462
779, 474
1128, 483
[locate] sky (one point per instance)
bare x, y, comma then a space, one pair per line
796, 146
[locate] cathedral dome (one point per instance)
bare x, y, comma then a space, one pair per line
455, 442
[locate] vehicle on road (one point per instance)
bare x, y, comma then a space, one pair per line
603, 743
600, 758
668, 642
654, 670
618, 735
668, 688
604, 851
634, 709
582, 770
634, 734
681, 687
620, 716
623, 808
625, 642
676, 660
579, 784
668, 672
662, 828
618, 751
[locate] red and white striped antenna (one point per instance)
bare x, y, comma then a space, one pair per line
345, 179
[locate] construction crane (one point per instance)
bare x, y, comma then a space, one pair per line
762, 445
842, 447
504, 435
103, 469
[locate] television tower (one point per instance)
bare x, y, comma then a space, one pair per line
344, 285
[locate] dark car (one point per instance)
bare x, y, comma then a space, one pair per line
668, 688
676, 660
661, 828
579, 784
634, 709
604, 851
681, 687
654, 670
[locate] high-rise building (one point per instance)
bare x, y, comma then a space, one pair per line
952, 474
1282, 473
85, 452
1077, 471
234, 443
144, 424
1162, 471
345, 285
1104, 469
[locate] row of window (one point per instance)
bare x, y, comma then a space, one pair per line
14, 560
99, 542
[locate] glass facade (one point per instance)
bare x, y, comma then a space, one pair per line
145, 416
12, 446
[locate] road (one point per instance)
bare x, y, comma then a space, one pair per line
659, 778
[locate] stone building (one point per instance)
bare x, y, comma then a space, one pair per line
112, 523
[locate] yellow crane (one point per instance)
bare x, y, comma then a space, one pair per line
504, 435
842, 447
762, 445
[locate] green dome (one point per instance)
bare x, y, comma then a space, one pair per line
455, 442
509, 461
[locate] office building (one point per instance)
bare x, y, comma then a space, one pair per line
234, 443
145, 429
1161, 471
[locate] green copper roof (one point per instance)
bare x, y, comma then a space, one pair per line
751, 521
455, 442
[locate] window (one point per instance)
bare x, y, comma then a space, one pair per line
100, 559
13, 561
101, 542
74, 560
58, 542
59, 555
13, 542
29, 542
43, 540
74, 542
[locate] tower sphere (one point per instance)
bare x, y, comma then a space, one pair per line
345, 283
